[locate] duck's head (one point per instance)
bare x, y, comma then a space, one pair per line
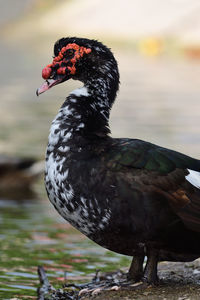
81, 59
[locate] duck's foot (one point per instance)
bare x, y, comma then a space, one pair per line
135, 272
150, 272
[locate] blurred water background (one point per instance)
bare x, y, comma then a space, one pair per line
157, 45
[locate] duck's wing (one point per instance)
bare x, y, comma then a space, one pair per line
173, 175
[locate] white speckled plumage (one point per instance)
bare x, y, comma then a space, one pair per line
57, 178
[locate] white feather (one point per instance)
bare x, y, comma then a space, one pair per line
194, 178
80, 92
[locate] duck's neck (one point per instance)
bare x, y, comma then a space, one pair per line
83, 115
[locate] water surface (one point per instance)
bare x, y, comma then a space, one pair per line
32, 234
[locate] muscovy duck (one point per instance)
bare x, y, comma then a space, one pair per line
127, 195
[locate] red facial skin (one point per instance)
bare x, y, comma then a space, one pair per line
79, 52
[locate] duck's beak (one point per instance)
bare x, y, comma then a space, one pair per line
47, 85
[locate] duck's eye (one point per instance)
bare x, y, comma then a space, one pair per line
69, 52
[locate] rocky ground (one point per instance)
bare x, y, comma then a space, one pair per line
178, 281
